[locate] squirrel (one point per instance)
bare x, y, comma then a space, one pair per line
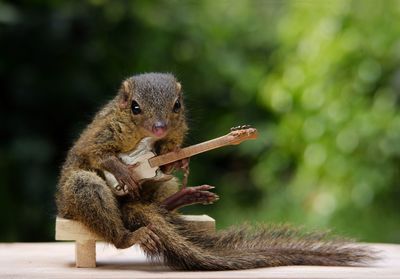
151, 105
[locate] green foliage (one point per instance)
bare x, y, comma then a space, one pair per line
334, 91
319, 79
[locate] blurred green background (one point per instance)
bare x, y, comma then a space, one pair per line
319, 79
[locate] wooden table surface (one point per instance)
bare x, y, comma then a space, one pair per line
55, 260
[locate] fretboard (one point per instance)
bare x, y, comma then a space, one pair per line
190, 151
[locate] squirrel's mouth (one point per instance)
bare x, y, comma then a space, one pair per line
159, 129
159, 133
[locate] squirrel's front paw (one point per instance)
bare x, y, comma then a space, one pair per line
127, 181
177, 165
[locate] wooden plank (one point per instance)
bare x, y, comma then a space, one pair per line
67, 229
54, 260
201, 221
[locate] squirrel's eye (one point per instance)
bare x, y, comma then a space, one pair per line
177, 106
135, 108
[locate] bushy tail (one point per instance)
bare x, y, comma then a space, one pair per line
185, 247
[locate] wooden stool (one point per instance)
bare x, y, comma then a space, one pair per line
85, 240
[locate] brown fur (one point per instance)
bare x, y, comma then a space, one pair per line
84, 196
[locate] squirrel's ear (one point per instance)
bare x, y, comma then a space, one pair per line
178, 87
125, 95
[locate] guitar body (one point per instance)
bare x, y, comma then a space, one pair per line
140, 155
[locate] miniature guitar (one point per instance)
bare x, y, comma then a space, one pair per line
149, 162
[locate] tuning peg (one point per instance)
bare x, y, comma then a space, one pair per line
243, 127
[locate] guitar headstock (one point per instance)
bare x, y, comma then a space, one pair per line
242, 133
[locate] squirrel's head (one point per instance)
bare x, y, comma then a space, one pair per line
153, 102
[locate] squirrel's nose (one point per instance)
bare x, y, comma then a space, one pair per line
159, 128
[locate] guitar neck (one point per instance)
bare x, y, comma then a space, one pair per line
190, 151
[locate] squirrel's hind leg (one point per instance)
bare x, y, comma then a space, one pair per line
159, 191
168, 195
188, 196
85, 197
